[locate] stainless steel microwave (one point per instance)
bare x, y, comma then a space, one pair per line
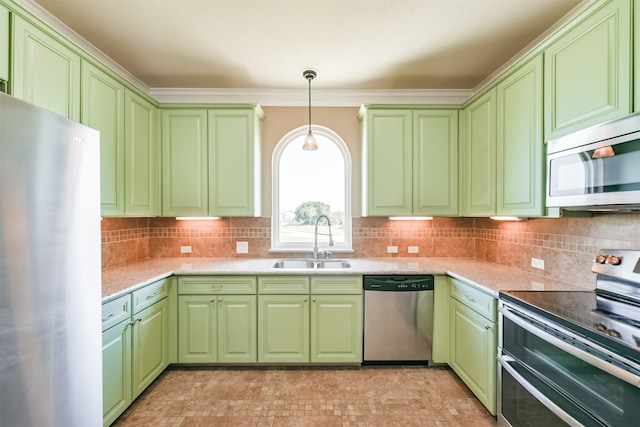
596, 169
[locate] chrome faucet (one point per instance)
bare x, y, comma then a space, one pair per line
315, 243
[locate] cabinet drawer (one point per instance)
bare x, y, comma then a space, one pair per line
150, 294
475, 299
114, 312
207, 285
336, 285
283, 285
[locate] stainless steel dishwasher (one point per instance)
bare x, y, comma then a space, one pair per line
398, 319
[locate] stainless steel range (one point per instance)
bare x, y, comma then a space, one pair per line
573, 358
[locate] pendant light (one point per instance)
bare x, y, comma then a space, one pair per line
310, 143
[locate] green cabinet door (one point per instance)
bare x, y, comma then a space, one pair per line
116, 371
232, 162
387, 155
141, 156
102, 109
473, 348
4, 48
237, 329
197, 329
45, 71
336, 329
283, 328
588, 71
435, 162
184, 163
520, 147
150, 345
440, 350
636, 54
478, 126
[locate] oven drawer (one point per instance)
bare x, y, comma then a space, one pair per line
561, 366
525, 400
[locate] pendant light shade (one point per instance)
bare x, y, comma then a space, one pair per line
310, 143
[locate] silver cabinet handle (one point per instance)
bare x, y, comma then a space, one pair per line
153, 295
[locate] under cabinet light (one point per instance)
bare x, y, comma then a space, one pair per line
507, 218
198, 218
410, 218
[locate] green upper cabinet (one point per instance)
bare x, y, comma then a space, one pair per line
184, 163
588, 71
411, 162
211, 162
435, 162
141, 156
4, 47
520, 147
387, 154
234, 163
636, 53
102, 109
478, 124
45, 71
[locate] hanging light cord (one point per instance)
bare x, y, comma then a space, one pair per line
309, 78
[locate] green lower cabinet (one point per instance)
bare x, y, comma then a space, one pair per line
336, 329
440, 350
473, 350
197, 329
150, 345
237, 329
116, 371
283, 328
217, 329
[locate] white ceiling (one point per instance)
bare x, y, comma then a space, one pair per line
353, 44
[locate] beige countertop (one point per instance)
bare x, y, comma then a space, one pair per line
490, 277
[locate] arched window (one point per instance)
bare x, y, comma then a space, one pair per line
307, 184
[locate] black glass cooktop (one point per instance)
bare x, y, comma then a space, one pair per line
579, 311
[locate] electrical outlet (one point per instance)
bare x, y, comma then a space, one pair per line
242, 247
413, 249
537, 263
185, 249
392, 249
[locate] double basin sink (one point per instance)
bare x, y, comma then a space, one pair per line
309, 264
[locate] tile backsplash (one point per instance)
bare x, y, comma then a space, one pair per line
566, 245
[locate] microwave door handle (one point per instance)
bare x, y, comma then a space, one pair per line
504, 362
617, 372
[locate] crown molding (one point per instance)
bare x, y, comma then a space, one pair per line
30, 9
319, 97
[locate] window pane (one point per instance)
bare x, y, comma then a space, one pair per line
311, 183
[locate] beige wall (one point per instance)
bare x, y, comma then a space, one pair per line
278, 121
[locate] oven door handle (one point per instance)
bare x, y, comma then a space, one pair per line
599, 363
504, 361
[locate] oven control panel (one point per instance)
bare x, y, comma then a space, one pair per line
619, 263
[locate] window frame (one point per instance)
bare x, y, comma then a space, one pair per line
291, 137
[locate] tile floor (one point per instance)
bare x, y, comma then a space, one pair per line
368, 396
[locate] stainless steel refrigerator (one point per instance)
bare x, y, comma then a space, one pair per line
50, 296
